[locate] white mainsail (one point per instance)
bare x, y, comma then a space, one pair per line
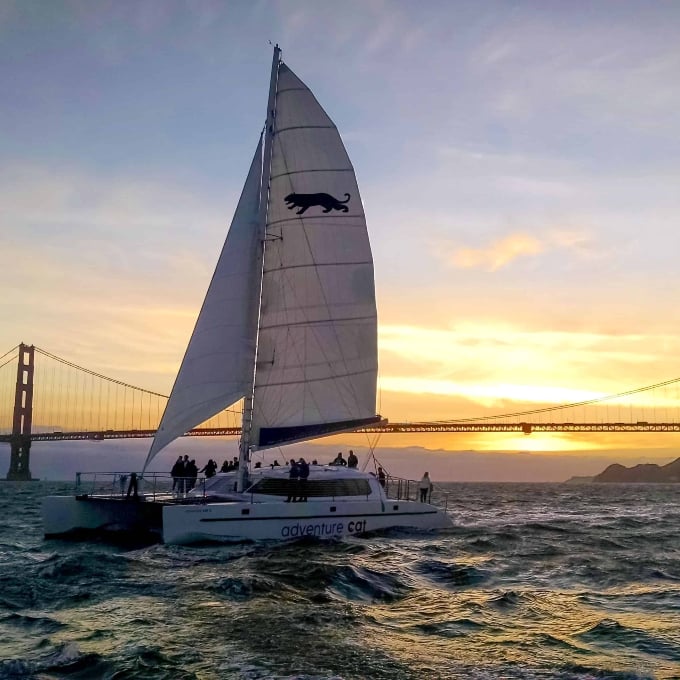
317, 343
217, 369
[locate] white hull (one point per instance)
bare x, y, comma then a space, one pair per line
67, 514
277, 520
234, 521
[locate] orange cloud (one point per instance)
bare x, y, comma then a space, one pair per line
499, 253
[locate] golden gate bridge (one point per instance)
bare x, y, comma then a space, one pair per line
44, 397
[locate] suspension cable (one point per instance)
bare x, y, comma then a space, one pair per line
98, 375
560, 407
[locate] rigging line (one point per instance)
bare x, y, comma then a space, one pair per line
98, 375
564, 406
380, 464
6, 353
372, 443
367, 461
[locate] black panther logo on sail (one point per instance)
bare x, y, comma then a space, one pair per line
305, 201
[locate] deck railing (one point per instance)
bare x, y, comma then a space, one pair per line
399, 488
162, 486
150, 485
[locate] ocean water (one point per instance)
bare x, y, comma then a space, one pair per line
534, 581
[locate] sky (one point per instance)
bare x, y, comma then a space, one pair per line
518, 164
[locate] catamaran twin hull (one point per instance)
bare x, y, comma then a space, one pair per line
288, 325
181, 523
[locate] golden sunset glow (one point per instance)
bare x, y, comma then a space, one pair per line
524, 256
487, 395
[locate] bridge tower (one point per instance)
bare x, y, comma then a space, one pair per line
19, 470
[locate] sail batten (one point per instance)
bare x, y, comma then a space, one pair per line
317, 322
297, 172
305, 127
319, 218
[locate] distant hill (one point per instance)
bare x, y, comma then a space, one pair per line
664, 474
579, 480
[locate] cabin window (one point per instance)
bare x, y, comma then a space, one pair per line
315, 487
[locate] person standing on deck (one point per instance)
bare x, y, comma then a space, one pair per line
183, 469
209, 468
191, 473
352, 460
339, 460
132, 487
425, 487
293, 476
303, 471
176, 473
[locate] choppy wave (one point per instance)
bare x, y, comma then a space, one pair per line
533, 582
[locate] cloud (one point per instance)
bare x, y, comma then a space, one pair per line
507, 249
498, 254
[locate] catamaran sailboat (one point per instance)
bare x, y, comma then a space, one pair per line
289, 326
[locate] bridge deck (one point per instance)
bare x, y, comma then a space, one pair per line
389, 428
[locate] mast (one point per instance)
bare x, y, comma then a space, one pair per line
246, 424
